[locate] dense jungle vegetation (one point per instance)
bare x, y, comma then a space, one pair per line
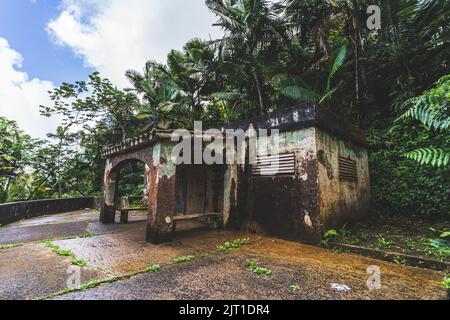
393, 83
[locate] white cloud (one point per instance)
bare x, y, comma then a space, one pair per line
113, 36
20, 97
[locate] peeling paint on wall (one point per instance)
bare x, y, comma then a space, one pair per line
308, 221
323, 160
156, 154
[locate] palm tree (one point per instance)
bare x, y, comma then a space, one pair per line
177, 93
296, 87
250, 30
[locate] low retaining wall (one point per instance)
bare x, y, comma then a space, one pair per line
12, 212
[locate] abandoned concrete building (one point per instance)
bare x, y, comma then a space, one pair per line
323, 181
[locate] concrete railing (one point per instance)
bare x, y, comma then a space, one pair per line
15, 211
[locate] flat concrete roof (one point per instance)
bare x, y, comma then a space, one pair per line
303, 116
296, 117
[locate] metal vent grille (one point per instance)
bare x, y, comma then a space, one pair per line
347, 169
279, 164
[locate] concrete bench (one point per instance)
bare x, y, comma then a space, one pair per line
125, 209
124, 213
213, 219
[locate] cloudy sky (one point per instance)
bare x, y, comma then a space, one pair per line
46, 42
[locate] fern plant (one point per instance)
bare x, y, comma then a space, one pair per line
431, 109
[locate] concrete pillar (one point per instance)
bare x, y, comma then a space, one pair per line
162, 197
108, 210
229, 192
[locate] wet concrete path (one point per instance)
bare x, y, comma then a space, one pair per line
298, 271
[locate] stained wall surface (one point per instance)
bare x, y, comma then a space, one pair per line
313, 199
341, 200
287, 205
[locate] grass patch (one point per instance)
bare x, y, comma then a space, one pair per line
295, 287
383, 242
65, 253
95, 283
399, 261
233, 244
153, 268
254, 267
10, 246
439, 248
89, 285
183, 259
79, 262
446, 283
83, 236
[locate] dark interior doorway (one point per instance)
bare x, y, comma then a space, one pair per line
199, 189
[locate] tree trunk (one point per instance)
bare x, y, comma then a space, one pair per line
357, 74
262, 108
39, 185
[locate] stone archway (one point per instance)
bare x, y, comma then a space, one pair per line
111, 179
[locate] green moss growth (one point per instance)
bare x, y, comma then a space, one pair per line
183, 259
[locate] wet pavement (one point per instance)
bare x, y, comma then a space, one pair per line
34, 270
298, 271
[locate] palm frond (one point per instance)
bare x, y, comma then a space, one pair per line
297, 92
338, 61
337, 64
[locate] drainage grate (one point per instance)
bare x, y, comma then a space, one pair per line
279, 164
347, 169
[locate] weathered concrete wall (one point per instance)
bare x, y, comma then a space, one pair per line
234, 199
162, 195
341, 201
12, 212
288, 206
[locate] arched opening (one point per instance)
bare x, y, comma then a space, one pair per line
132, 189
178, 197
126, 186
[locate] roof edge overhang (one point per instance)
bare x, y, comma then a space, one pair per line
293, 118
303, 116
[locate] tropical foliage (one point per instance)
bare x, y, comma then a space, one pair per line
432, 110
273, 54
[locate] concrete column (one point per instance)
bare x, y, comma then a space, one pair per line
230, 192
108, 210
162, 197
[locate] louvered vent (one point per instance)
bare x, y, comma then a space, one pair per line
280, 164
347, 169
